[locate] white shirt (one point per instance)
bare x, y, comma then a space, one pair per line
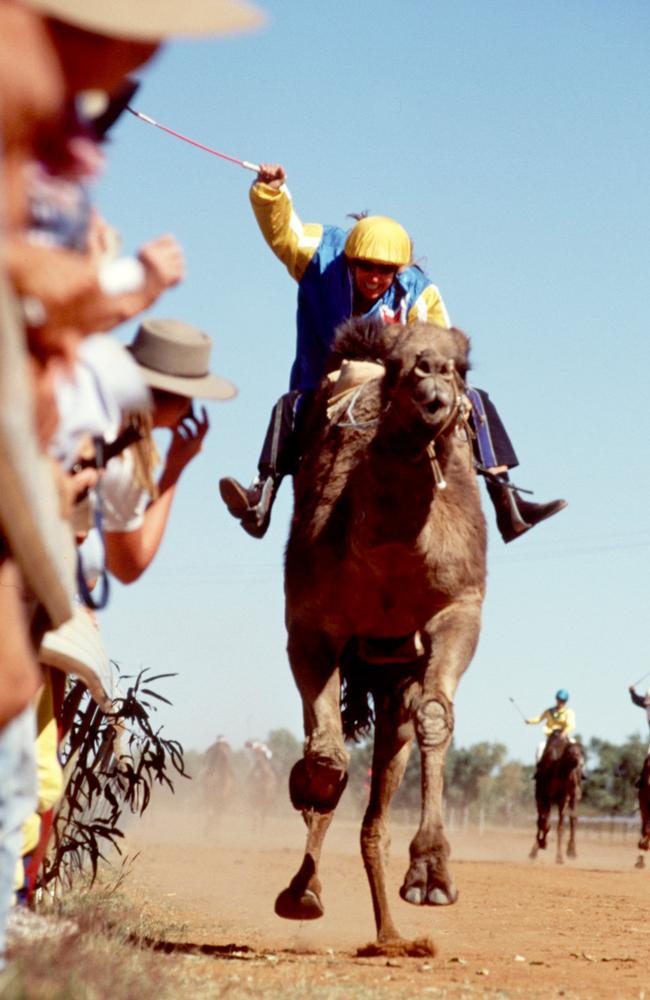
124, 501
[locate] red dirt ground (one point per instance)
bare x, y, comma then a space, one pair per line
519, 929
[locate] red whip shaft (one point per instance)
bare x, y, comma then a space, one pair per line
193, 142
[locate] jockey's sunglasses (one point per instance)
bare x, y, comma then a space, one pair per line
371, 265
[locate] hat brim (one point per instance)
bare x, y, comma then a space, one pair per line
154, 20
202, 387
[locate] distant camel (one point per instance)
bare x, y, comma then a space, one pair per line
558, 783
216, 782
644, 809
262, 783
385, 578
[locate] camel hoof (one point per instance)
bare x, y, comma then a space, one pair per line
304, 907
640, 862
413, 895
440, 897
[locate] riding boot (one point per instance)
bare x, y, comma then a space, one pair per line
278, 458
252, 506
515, 515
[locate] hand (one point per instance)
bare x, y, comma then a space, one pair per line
272, 174
103, 240
164, 264
187, 440
72, 486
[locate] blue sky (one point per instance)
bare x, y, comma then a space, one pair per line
512, 141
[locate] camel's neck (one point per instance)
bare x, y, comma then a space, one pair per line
396, 491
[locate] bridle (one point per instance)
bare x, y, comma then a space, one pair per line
457, 420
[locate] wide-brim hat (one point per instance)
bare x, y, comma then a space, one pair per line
154, 20
175, 356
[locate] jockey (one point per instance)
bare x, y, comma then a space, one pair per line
643, 701
365, 271
259, 748
557, 719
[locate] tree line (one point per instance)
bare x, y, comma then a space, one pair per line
481, 782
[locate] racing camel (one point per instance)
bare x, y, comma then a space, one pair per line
558, 783
216, 783
384, 582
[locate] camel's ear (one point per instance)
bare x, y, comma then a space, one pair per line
461, 350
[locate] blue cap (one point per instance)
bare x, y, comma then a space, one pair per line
562, 695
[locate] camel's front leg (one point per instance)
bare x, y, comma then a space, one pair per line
453, 637
317, 780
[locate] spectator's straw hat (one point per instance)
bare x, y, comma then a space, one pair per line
153, 20
175, 357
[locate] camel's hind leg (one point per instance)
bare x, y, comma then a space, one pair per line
559, 856
571, 850
392, 749
317, 780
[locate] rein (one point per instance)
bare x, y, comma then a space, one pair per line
457, 420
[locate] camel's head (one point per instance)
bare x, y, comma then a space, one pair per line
425, 372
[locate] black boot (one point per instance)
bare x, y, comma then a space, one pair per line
515, 515
251, 506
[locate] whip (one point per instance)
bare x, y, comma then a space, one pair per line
517, 708
199, 145
647, 674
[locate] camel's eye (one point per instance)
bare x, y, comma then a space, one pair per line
423, 366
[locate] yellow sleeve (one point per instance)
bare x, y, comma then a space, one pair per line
535, 720
570, 723
292, 241
430, 308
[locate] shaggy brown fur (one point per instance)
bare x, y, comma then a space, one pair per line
558, 783
384, 566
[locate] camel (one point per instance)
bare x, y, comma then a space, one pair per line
262, 784
644, 810
216, 783
384, 584
557, 783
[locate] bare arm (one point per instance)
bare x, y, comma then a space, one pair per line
129, 553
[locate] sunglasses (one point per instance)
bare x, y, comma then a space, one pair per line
371, 265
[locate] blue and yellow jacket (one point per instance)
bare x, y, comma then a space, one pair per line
313, 255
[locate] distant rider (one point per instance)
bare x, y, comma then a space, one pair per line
642, 700
557, 719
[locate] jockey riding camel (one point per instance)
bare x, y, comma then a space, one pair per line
557, 719
367, 271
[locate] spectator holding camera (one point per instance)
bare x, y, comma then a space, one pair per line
173, 360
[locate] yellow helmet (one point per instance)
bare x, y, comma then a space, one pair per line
379, 238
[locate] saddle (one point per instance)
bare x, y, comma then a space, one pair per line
347, 378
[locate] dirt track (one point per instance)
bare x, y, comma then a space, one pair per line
519, 929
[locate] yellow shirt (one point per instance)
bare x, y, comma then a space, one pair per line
561, 720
